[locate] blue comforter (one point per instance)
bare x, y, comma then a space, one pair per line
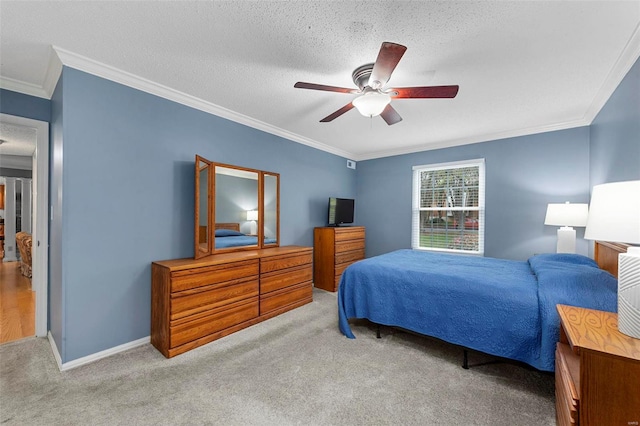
501, 307
240, 240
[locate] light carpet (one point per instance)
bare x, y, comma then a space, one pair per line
295, 369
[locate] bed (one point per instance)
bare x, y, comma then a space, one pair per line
501, 307
228, 235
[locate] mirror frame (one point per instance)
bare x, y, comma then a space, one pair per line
200, 251
277, 209
210, 248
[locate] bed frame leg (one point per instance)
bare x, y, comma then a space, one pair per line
378, 331
465, 359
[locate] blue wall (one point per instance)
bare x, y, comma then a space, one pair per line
523, 175
124, 195
128, 190
615, 134
21, 105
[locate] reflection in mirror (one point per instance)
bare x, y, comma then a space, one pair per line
236, 196
202, 240
204, 206
270, 209
235, 208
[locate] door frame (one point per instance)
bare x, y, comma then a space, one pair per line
40, 220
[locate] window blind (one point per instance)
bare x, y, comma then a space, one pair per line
448, 207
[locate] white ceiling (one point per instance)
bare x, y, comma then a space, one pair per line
522, 66
17, 140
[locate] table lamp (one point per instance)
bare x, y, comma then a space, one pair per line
614, 215
566, 215
252, 216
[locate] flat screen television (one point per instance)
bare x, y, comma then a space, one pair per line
341, 211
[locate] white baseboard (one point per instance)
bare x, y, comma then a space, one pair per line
93, 357
54, 349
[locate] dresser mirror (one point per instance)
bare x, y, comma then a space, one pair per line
202, 240
236, 208
271, 203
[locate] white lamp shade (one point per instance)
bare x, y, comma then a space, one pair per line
371, 104
252, 214
614, 213
567, 214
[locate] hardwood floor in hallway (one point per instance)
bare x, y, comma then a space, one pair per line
17, 304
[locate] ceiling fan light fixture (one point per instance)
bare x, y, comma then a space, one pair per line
371, 80
372, 104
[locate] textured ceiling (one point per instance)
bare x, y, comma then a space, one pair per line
18, 140
522, 67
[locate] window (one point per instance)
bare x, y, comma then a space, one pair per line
448, 207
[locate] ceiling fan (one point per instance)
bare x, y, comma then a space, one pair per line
374, 99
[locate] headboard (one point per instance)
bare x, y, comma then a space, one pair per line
606, 255
232, 226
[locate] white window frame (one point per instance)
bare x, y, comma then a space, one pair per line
416, 209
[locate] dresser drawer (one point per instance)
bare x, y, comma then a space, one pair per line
351, 245
336, 282
341, 267
219, 319
567, 399
276, 263
339, 270
199, 277
281, 298
190, 302
349, 257
345, 234
275, 281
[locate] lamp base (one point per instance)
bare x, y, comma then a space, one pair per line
629, 292
566, 240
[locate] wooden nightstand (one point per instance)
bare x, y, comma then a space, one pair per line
597, 370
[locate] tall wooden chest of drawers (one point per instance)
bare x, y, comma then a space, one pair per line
196, 301
597, 370
335, 248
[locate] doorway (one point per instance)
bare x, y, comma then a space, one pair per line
18, 132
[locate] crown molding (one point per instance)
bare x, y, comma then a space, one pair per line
54, 70
627, 58
22, 87
513, 133
108, 72
60, 57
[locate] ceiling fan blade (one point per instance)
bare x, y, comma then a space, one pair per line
313, 86
390, 115
425, 92
338, 113
388, 57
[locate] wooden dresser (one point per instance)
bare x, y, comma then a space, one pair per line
335, 248
597, 370
196, 301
